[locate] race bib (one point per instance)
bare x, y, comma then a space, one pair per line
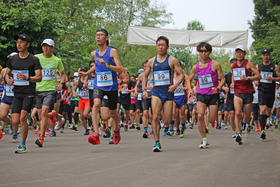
139, 97
84, 94
90, 84
205, 81
124, 91
151, 84
9, 90
264, 75
48, 74
161, 78
237, 72
277, 94
104, 78
179, 92
232, 90
20, 82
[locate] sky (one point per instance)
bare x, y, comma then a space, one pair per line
215, 15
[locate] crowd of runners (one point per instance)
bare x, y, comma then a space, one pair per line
103, 97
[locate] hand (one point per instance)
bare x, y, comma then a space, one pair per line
59, 87
191, 92
242, 77
101, 61
215, 90
182, 88
149, 88
67, 100
172, 88
231, 86
268, 78
10, 82
144, 94
119, 81
128, 91
135, 94
22, 76
226, 89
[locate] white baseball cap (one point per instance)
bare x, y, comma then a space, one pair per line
76, 74
241, 47
48, 41
12, 54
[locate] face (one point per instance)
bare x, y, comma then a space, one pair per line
277, 86
22, 45
47, 49
204, 53
240, 55
144, 67
101, 38
266, 57
162, 47
92, 65
133, 79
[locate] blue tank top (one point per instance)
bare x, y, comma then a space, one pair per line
72, 98
105, 78
163, 74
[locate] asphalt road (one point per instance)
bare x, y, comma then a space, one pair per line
69, 160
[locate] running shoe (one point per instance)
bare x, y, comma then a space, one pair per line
111, 141
116, 137
138, 127
36, 129
94, 138
191, 126
213, 125
11, 130
1, 133
266, 126
151, 133
129, 123
75, 127
19, 131
218, 126
165, 131
132, 126
226, 127
249, 128
223, 123
52, 119
276, 126
207, 129
257, 128
21, 149
107, 133
87, 132
170, 133
145, 135
177, 132
70, 126
103, 126
14, 139
39, 142
157, 147
53, 133
239, 139
182, 132
234, 135
62, 130
125, 127
263, 135
47, 132
59, 125
204, 144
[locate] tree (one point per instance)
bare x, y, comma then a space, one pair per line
39, 20
265, 28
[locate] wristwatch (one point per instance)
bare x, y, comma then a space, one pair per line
107, 65
218, 89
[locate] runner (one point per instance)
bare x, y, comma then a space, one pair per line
270, 73
26, 72
255, 106
46, 89
163, 66
132, 104
208, 71
107, 64
243, 88
276, 104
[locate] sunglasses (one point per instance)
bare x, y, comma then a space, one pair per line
201, 51
91, 66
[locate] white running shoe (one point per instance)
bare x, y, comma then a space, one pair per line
58, 124
204, 144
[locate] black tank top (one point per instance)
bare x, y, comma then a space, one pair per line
264, 70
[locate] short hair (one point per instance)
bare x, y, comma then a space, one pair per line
91, 61
163, 38
145, 62
133, 76
204, 44
105, 32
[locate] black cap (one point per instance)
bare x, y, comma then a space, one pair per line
103, 30
23, 37
83, 69
233, 60
265, 50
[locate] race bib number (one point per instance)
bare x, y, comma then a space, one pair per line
84, 94
124, 91
179, 92
20, 82
232, 90
264, 75
48, 74
139, 97
205, 81
104, 78
161, 78
9, 90
237, 72
90, 84
277, 94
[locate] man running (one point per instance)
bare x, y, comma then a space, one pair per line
270, 73
208, 71
107, 65
162, 66
243, 89
26, 72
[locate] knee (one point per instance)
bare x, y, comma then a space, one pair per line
200, 117
146, 114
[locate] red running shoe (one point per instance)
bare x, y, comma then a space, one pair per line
39, 142
94, 138
117, 137
52, 119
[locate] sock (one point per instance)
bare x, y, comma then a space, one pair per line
145, 129
235, 132
22, 144
270, 121
116, 131
262, 121
204, 139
